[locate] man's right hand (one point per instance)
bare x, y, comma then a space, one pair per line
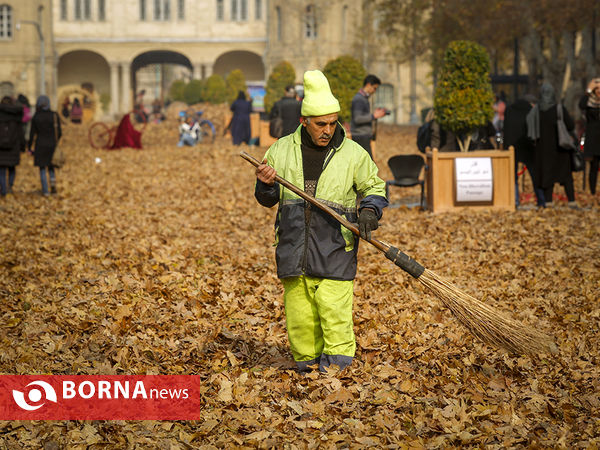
266, 173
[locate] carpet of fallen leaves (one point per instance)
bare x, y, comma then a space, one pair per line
160, 261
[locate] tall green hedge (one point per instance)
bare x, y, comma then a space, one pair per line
215, 89
192, 92
236, 82
283, 75
176, 90
463, 98
345, 75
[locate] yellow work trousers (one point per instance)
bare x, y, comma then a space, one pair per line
318, 313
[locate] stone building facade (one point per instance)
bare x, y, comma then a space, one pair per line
120, 46
27, 48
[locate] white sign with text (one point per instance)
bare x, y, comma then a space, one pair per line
474, 179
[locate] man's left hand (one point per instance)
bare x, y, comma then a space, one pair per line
367, 222
379, 113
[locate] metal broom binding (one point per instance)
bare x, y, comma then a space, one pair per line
480, 319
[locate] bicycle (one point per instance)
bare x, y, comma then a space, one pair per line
208, 131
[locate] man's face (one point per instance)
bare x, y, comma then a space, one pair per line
370, 88
321, 128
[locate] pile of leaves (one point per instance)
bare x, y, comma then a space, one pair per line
159, 261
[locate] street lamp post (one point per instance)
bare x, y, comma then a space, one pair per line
38, 26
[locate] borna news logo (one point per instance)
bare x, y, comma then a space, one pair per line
99, 397
35, 396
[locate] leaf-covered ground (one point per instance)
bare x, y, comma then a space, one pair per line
160, 262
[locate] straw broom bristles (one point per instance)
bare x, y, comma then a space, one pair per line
486, 323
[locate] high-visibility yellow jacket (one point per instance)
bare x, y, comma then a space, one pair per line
323, 248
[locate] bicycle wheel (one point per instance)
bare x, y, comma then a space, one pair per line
99, 135
208, 131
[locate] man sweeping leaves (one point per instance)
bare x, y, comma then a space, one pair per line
316, 256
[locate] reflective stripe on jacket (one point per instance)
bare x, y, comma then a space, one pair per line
326, 249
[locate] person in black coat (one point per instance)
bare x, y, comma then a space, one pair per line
590, 106
288, 108
45, 133
552, 164
12, 142
240, 122
515, 134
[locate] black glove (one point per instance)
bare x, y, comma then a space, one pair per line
367, 222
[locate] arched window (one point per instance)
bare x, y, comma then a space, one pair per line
258, 9
87, 9
142, 10
220, 10
278, 14
101, 10
239, 10
78, 10
63, 10
181, 9
310, 24
162, 9
6, 31
384, 98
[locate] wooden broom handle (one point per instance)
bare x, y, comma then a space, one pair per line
345, 222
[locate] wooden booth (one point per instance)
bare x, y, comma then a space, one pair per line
477, 179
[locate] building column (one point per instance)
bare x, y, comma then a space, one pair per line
125, 87
197, 71
114, 89
208, 70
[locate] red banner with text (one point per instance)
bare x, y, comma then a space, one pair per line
99, 397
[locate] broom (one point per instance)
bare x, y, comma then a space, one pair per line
480, 319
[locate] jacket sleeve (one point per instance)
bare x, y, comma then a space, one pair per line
32, 133
274, 111
583, 103
568, 119
369, 185
266, 195
361, 112
58, 128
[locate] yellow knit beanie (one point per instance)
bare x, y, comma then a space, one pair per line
318, 99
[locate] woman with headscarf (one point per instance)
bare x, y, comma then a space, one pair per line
11, 142
240, 122
590, 106
45, 133
552, 164
76, 111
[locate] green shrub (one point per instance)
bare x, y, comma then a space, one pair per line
283, 75
105, 101
215, 90
192, 93
236, 82
463, 97
176, 90
345, 75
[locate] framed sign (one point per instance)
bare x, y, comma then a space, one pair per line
474, 180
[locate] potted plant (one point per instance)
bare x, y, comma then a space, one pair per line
463, 98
